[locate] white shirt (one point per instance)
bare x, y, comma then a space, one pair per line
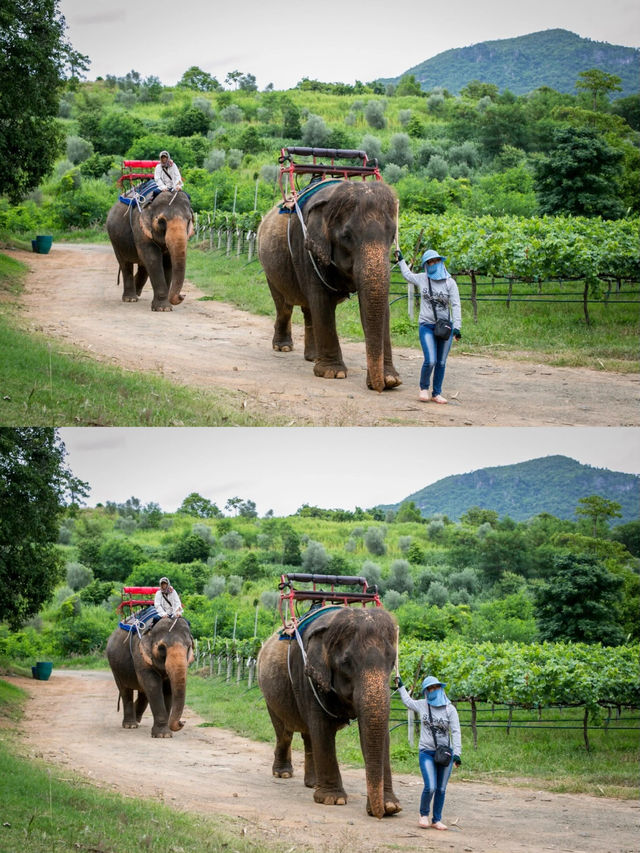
168, 602
171, 181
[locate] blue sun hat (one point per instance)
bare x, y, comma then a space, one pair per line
434, 697
437, 271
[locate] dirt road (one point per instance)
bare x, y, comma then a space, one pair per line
71, 295
71, 721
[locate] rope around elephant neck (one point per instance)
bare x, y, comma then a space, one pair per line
311, 684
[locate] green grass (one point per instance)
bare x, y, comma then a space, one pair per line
47, 809
547, 759
556, 333
45, 383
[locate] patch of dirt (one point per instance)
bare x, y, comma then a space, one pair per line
71, 295
71, 722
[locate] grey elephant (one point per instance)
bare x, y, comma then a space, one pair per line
155, 665
155, 238
342, 675
342, 249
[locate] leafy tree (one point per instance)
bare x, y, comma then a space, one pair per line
117, 558
475, 516
34, 58
291, 128
195, 504
232, 540
34, 484
578, 602
215, 586
374, 541
629, 109
116, 132
408, 512
629, 535
598, 510
189, 548
315, 559
374, 114
400, 577
408, 85
579, 175
189, 122
78, 576
291, 547
476, 89
315, 132
598, 82
201, 81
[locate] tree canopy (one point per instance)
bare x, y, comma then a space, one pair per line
34, 484
34, 57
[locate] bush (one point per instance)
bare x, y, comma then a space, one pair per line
437, 168
315, 559
78, 149
399, 151
78, 576
438, 594
117, 558
232, 540
86, 207
400, 577
188, 549
374, 114
315, 132
214, 586
374, 541
372, 572
214, 160
84, 634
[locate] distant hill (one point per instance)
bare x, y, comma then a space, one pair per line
548, 58
552, 484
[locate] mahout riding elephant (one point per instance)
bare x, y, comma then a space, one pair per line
342, 249
155, 664
342, 674
155, 238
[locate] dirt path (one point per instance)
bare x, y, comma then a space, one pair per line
214, 772
71, 294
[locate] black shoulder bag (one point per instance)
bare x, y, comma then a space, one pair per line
442, 328
443, 754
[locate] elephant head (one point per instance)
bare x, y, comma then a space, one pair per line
168, 223
350, 229
168, 650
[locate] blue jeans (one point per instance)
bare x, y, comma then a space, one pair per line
435, 782
435, 356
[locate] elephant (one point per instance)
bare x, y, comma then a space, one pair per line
155, 238
342, 248
155, 664
339, 672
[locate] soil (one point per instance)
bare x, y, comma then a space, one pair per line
71, 295
71, 723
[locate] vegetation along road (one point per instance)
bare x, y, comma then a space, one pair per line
71, 295
72, 723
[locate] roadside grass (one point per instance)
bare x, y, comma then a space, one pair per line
552, 759
46, 383
555, 333
48, 809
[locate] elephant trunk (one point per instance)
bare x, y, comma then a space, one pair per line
176, 241
176, 668
373, 722
373, 295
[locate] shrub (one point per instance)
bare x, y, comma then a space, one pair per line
437, 169
204, 532
232, 540
214, 160
372, 145
315, 132
214, 586
393, 599
78, 576
399, 151
84, 634
78, 149
374, 541
234, 584
438, 594
372, 572
234, 158
400, 577
85, 207
374, 114
117, 558
232, 114
315, 559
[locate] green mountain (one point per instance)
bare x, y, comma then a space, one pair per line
548, 58
552, 484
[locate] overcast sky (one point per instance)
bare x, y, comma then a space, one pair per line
282, 42
281, 469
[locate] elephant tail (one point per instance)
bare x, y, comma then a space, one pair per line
119, 698
118, 279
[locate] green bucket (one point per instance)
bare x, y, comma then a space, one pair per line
42, 670
42, 244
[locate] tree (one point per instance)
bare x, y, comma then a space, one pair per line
598, 83
34, 486
579, 175
408, 85
629, 535
34, 57
408, 512
598, 509
201, 81
195, 504
579, 602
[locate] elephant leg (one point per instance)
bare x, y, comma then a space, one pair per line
140, 280
391, 375
141, 705
282, 766
129, 292
155, 265
309, 338
309, 766
166, 692
282, 338
154, 690
391, 802
329, 789
129, 720
328, 363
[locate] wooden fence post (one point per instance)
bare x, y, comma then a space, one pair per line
474, 294
474, 719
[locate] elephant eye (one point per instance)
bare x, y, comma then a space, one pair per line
161, 222
162, 650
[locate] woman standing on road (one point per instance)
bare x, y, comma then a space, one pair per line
439, 722
439, 298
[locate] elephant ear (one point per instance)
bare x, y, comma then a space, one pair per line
317, 666
318, 241
145, 222
145, 648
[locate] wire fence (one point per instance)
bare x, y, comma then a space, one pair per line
240, 243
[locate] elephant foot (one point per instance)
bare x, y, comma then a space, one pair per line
391, 805
161, 732
330, 798
391, 379
282, 771
329, 370
127, 724
161, 306
129, 298
283, 346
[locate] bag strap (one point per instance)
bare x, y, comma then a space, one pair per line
433, 302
